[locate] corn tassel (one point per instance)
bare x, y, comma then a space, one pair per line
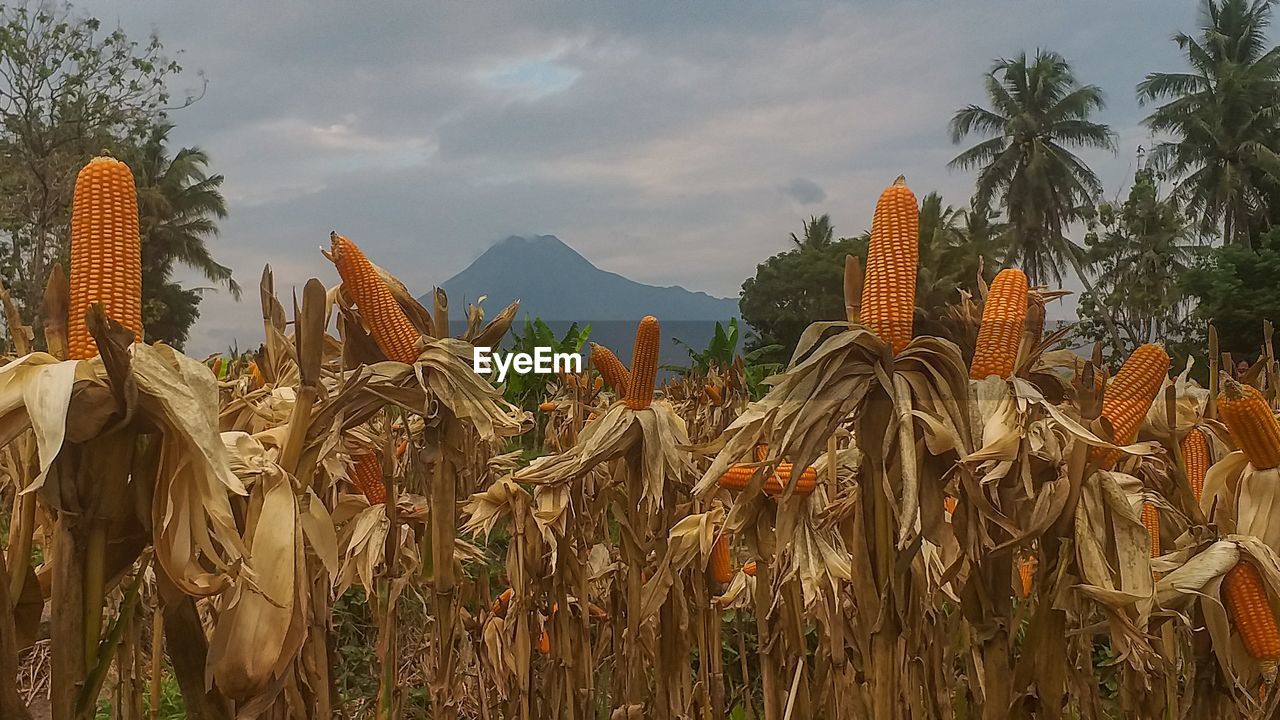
615, 374
1195, 453
721, 566
889, 288
1004, 316
644, 364
391, 329
1251, 612
1252, 424
106, 252
1130, 394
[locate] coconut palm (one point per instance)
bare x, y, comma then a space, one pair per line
179, 205
1038, 113
1223, 118
818, 233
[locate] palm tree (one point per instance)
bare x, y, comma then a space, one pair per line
179, 205
1223, 117
1039, 112
953, 250
818, 233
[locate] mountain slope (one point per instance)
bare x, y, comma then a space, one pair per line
555, 282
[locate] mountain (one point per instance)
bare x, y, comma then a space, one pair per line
553, 281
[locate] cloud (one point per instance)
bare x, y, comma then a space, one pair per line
804, 191
653, 139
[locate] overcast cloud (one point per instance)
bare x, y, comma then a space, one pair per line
672, 142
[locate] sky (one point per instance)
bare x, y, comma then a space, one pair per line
672, 142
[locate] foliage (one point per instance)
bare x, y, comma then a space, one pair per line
526, 390
1138, 252
179, 204
67, 90
1235, 288
1222, 117
1038, 113
794, 288
722, 351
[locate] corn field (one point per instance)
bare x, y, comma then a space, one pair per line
902, 526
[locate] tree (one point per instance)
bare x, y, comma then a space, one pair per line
954, 244
806, 284
818, 233
1235, 289
67, 91
1139, 252
179, 204
1223, 118
1039, 112
795, 288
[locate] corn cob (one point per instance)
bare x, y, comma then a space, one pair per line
501, 602
255, 376
402, 447
721, 569
1252, 424
544, 643
547, 407
611, 368
1004, 316
737, 477
106, 252
1130, 394
713, 394
1251, 611
391, 329
1027, 574
1195, 453
889, 289
366, 475
1151, 521
749, 569
951, 504
1035, 318
644, 364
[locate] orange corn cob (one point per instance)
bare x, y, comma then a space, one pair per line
1251, 611
1004, 316
1027, 574
749, 569
402, 447
1130, 394
547, 407
889, 288
1252, 424
106, 252
390, 327
366, 475
255, 376
501, 602
611, 368
644, 364
544, 643
721, 569
713, 394
951, 503
1151, 521
598, 384
737, 477
1195, 453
